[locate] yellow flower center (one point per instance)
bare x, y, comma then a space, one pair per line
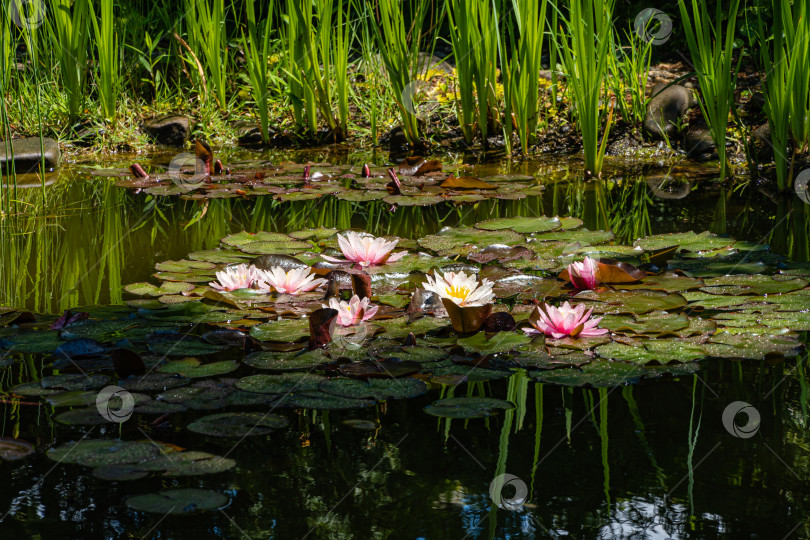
458, 292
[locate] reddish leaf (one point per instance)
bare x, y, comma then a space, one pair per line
466, 319
466, 182
319, 323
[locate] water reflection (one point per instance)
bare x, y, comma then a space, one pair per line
89, 238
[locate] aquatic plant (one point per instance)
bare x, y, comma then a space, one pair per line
69, 37
586, 47
585, 274
236, 277
629, 69
785, 86
564, 321
354, 311
208, 38
107, 75
461, 289
399, 50
712, 48
366, 250
317, 58
521, 48
257, 50
475, 48
294, 282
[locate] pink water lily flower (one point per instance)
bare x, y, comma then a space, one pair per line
235, 277
564, 321
584, 275
294, 282
460, 288
366, 250
354, 311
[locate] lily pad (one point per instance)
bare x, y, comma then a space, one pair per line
468, 407
238, 424
192, 368
14, 449
378, 389
178, 501
280, 384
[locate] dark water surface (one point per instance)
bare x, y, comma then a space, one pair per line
651, 460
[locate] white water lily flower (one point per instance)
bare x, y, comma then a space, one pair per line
296, 281
354, 311
235, 277
366, 250
460, 288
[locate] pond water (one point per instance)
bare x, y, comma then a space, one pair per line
655, 459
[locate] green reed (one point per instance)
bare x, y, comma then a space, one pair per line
586, 47
785, 85
257, 50
371, 97
521, 46
208, 38
107, 74
317, 63
399, 49
711, 50
475, 47
629, 69
69, 38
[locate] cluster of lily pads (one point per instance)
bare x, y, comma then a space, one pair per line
329, 319
415, 182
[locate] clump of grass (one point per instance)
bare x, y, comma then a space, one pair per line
107, 73
475, 48
207, 34
317, 63
711, 49
69, 38
785, 85
257, 51
629, 69
399, 50
585, 51
521, 46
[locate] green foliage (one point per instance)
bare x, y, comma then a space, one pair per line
207, 34
257, 50
712, 50
107, 72
69, 33
585, 51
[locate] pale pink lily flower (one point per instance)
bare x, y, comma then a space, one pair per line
354, 311
584, 275
460, 288
564, 321
366, 250
235, 277
294, 282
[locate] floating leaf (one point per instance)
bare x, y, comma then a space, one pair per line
178, 501
522, 224
379, 389
238, 424
14, 449
279, 384
192, 368
468, 407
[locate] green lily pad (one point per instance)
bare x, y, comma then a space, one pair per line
238, 424
178, 501
98, 452
167, 287
34, 342
637, 302
600, 373
651, 323
192, 368
468, 407
286, 361
379, 389
285, 330
756, 284
521, 224
322, 400
464, 241
14, 449
280, 384
688, 241
498, 343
